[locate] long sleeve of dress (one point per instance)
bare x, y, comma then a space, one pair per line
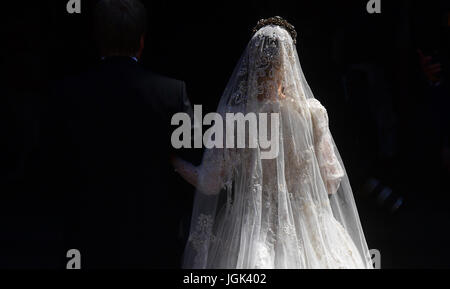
208, 177
330, 168
188, 171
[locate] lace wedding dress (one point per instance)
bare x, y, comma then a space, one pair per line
294, 211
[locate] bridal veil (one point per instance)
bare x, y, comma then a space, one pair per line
295, 210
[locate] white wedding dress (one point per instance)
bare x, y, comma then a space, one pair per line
294, 211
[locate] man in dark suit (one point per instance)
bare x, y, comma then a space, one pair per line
110, 150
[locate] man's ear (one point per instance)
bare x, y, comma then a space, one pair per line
141, 46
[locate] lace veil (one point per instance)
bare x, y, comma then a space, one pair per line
251, 212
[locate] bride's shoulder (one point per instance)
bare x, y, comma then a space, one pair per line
315, 105
319, 114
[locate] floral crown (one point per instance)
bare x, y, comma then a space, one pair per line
277, 20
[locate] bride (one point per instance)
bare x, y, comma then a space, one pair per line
293, 211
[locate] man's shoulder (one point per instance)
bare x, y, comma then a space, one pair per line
117, 80
166, 91
162, 80
135, 75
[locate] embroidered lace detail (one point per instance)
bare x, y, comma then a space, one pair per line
203, 232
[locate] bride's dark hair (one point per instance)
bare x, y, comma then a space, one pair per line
277, 20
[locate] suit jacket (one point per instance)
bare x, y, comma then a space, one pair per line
109, 159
